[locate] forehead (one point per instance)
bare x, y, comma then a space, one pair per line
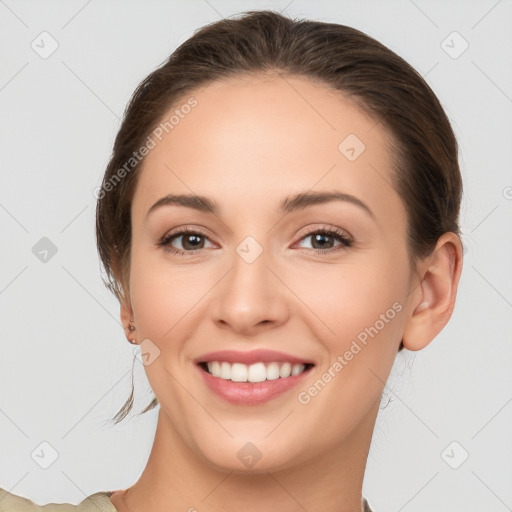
251, 140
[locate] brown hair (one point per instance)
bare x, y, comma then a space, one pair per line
427, 174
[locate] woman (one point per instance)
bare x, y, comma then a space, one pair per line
278, 219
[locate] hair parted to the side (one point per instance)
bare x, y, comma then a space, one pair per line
427, 174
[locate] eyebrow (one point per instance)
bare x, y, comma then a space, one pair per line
305, 199
287, 205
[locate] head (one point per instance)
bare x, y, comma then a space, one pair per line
259, 116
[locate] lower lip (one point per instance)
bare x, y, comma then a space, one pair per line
249, 393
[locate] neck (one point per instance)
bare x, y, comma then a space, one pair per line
176, 479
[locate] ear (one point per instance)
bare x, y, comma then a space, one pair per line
127, 320
434, 297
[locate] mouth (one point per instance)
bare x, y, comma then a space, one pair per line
251, 378
256, 372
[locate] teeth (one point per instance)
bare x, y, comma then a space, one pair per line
286, 370
238, 373
273, 371
215, 369
257, 372
225, 371
297, 368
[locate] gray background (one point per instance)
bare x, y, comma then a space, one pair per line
64, 363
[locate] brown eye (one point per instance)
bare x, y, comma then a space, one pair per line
324, 239
190, 241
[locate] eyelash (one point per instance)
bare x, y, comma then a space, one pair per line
335, 232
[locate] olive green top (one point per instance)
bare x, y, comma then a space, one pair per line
98, 502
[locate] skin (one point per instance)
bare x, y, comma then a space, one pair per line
249, 143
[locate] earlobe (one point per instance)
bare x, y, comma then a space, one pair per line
436, 293
127, 320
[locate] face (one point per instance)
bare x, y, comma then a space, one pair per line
274, 278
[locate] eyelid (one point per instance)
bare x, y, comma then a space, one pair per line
185, 229
325, 227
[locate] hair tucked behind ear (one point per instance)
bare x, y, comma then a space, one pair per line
427, 174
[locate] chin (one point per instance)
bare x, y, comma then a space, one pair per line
246, 454
242, 456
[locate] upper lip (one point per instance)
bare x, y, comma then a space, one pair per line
253, 356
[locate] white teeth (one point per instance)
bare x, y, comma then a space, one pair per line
273, 371
214, 368
225, 370
257, 372
286, 370
297, 368
238, 372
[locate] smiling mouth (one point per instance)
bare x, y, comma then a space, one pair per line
256, 372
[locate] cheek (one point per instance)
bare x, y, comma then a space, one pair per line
360, 308
157, 298
349, 297
358, 313
167, 299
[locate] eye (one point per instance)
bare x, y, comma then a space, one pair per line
323, 240
191, 240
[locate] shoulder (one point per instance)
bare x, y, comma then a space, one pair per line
97, 502
366, 506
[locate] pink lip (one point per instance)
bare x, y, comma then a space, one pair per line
253, 356
248, 393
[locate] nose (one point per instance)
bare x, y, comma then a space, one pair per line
251, 298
